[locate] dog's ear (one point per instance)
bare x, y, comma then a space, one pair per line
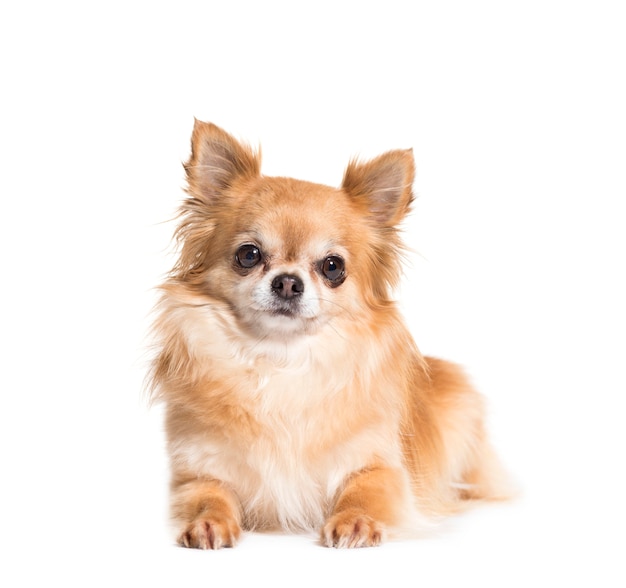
383, 185
217, 161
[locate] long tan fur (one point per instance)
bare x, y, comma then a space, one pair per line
295, 397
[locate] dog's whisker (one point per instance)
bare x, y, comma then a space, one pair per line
344, 308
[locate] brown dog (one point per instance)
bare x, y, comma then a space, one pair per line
295, 396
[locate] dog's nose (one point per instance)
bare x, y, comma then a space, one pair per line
287, 286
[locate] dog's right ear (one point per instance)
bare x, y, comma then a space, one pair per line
217, 161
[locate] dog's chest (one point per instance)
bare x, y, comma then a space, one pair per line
280, 475
287, 427
292, 455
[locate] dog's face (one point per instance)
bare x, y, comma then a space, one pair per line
288, 267
286, 256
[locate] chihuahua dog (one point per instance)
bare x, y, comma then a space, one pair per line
295, 397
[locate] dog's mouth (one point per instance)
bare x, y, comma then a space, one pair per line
285, 311
285, 317
289, 309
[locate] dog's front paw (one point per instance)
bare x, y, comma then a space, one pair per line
352, 529
207, 532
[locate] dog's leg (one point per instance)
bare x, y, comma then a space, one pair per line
207, 512
370, 501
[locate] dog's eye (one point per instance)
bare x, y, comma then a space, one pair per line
333, 268
248, 256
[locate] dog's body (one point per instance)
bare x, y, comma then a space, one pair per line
295, 396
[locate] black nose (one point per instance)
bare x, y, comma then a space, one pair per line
287, 286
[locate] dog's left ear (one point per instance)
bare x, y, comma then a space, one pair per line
383, 184
217, 161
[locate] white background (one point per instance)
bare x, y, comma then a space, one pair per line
516, 114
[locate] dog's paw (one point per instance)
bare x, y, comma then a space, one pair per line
210, 533
352, 529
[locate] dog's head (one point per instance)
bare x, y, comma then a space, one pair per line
288, 256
